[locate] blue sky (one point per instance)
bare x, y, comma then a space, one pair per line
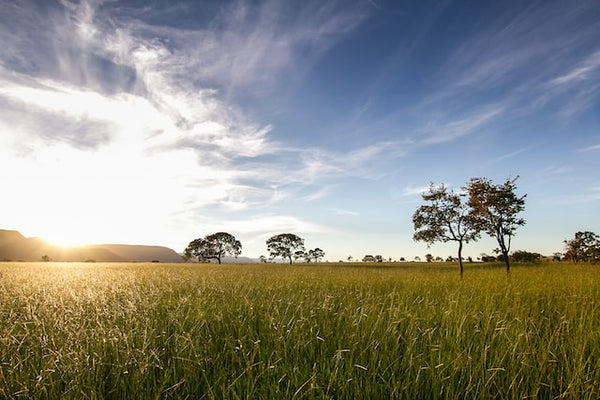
157, 122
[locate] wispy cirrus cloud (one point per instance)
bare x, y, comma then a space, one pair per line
524, 60
510, 155
344, 212
100, 82
583, 71
447, 130
414, 190
590, 148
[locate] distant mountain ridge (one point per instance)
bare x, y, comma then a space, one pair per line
16, 247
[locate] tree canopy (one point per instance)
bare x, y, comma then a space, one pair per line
285, 245
495, 208
585, 246
445, 217
314, 254
213, 247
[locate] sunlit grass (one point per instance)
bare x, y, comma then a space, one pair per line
275, 331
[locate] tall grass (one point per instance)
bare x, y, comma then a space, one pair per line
101, 331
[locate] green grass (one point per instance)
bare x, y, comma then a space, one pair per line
335, 331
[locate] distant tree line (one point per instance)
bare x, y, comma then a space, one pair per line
221, 244
481, 207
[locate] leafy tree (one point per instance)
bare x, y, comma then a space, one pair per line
584, 247
262, 259
557, 256
495, 208
444, 218
285, 245
315, 254
45, 257
213, 247
429, 257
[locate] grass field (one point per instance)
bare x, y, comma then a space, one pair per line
332, 331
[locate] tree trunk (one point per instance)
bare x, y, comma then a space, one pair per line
460, 264
506, 261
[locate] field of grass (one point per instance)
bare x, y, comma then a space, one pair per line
332, 331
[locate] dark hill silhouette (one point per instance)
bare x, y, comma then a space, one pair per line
16, 247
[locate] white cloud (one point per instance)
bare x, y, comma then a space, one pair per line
590, 148
510, 155
340, 211
580, 72
131, 129
452, 129
414, 190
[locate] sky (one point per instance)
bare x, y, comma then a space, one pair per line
157, 122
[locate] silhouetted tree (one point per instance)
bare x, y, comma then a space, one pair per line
495, 209
214, 247
285, 245
444, 218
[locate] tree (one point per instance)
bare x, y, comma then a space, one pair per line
214, 247
444, 218
486, 258
525, 256
301, 254
316, 254
495, 208
262, 259
584, 247
285, 245
429, 257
